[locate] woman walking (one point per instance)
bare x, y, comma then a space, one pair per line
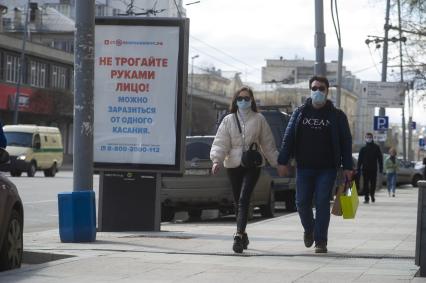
236, 133
391, 167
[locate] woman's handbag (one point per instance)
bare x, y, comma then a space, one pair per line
349, 201
4, 156
251, 158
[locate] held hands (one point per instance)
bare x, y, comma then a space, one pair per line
348, 175
215, 168
283, 170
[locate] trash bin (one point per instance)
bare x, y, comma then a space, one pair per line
77, 216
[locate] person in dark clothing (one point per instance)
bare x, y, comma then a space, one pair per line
370, 157
424, 169
319, 137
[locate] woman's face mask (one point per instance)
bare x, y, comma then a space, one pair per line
243, 102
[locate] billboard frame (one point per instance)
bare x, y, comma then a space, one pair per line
182, 75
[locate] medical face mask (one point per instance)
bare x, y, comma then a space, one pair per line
368, 140
244, 104
318, 97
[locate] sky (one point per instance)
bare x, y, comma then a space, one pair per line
239, 35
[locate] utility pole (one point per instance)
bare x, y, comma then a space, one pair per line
382, 110
404, 148
319, 40
77, 210
21, 72
83, 94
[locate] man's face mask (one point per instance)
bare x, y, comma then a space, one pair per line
368, 139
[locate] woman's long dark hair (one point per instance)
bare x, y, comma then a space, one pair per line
233, 107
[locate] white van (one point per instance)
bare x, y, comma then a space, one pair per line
33, 148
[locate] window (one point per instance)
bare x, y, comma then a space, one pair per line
19, 139
12, 68
37, 74
58, 77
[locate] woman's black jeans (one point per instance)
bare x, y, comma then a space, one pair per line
243, 180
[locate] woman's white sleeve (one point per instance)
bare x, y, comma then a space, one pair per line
267, 143
221, 143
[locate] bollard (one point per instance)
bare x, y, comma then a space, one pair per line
421, 230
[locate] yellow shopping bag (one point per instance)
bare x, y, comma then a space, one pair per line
349, 202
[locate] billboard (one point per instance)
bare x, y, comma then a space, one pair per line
139, 91
384, 94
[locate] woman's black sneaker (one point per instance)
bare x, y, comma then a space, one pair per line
238, 244
245, 241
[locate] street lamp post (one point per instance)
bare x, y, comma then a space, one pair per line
191, 93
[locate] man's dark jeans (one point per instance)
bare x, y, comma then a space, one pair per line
369, 185
316, 183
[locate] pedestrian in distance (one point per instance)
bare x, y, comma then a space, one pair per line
3, 141
237, 131
424, 168
319, 138
391, 167
369, 159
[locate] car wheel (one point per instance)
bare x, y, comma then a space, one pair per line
15, 173
195, 213
290, 201
268, 209
51, 172
31, 169
167, 214
12, 247
416, 178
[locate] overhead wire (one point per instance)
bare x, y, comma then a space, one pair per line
372, 59
336, 28
252, 68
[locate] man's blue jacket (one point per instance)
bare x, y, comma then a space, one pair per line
340, 136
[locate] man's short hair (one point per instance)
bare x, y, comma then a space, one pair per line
320, 79
368, 134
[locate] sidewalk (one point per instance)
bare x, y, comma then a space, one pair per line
377, 246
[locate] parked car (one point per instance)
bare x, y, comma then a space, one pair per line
197, 189
408, 172
284, 187
11, 225
33, 148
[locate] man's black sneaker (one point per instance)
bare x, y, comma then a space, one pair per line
245, 241
238, 244
373, 199
321, 248
366, 201
308, 238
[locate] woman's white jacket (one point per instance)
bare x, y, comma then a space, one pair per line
228, 143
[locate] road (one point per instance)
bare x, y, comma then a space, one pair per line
40, 197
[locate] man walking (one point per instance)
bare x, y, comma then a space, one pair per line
369, 157
319, 138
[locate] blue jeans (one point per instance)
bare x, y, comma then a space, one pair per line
316, 183
391, 182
